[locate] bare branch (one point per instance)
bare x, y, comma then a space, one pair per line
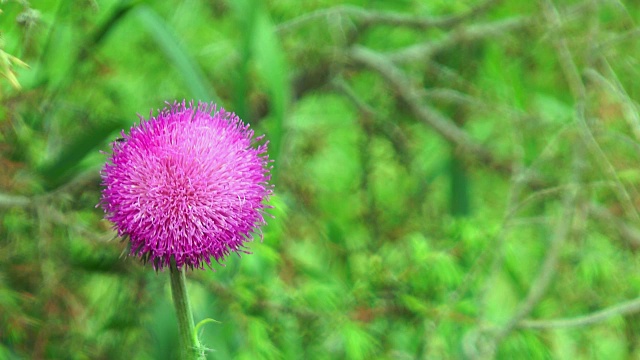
412, 97
629, 233
78, 184
630, 108
365, 17
579, 93
424, 51
629, 35
389, 129
452, 96
548, 268
569, 68
573, 214
625, 308
7, 200
340, 85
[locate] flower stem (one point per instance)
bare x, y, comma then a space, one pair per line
189, 346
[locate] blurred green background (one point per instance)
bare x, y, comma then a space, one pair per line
454, 179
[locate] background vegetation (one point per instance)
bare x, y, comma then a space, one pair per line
454, 179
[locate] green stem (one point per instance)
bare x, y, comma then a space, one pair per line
189, 345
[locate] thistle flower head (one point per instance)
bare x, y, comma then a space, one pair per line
188, 184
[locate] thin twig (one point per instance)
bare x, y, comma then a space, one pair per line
549, 192
571, 213
452, 96
389, 129
365, 17
629, 35
625, 308
495, 249
424, 51
482, 343
8, 200
548, 268
430, 116
80, 183
340, 85
569, 68
629, 233
630, 108
579, 92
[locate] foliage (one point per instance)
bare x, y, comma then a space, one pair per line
454, 179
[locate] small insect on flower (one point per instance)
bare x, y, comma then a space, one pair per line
189, 184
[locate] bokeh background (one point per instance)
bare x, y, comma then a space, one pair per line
454, 179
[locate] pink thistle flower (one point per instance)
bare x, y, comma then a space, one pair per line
188, 184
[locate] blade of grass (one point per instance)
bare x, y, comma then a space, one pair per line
273, 70
170, 45
246, 14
